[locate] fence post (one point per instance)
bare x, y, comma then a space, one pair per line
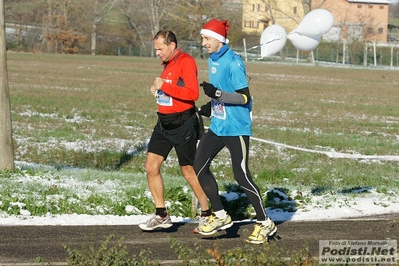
245, 49
194, 204
391, 56
297, 55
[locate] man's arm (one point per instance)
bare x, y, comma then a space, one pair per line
241, 96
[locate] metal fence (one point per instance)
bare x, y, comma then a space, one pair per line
358, 54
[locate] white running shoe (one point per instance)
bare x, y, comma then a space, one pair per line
155, 222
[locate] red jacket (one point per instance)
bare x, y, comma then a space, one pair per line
181, 84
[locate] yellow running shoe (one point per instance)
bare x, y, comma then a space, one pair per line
201, 221
262, 232
214, 224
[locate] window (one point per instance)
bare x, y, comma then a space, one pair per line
371, 6
380, 30
255, 7
370, 30
381, 7
295, 10
251, 24
359, 6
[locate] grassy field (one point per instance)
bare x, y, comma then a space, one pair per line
97, 112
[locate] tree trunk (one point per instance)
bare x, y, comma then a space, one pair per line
94, 32
94, 39
6, 145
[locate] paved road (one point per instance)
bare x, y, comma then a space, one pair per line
21, 245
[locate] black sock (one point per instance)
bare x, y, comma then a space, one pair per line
206, 213
161, 212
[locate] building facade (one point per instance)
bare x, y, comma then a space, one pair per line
259, 14
353, 19
356, 20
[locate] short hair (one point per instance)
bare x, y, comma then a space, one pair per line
167, 35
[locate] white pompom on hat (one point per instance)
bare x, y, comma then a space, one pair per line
217, 29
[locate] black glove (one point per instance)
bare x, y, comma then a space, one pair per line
205, 110
209, 89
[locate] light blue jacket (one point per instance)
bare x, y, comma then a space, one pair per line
228, 74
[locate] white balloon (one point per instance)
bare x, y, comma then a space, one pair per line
303, 42
316, 22
272, 40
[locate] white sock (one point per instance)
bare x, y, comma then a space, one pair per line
220, 214
266, 222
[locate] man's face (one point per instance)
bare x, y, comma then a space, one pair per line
211, 44
163, 51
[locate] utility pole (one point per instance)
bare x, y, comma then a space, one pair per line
6, 145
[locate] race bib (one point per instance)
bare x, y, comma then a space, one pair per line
218, 109
163, 99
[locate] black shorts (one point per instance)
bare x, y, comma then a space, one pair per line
183, 139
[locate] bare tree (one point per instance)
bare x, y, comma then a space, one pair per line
22, 16
192, 15
394, 10
17, 13
136, 20
6, 145
309, 5
61, 26
146, 17
98, 10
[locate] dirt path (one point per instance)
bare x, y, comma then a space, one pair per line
21, 245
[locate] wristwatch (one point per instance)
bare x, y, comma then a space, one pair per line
218, 93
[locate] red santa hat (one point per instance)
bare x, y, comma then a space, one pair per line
217, 29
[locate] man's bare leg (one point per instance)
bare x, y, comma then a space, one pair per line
154, 178
189, 174
161, 219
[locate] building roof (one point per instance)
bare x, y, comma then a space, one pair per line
371, 1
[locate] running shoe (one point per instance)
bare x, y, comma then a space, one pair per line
155, 222
262, 232
214, 224
201, 221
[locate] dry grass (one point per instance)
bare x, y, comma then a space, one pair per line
347, 103
89, 111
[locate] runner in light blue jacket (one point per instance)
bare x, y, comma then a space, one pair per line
231, 123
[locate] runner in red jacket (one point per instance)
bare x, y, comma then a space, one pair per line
178, 84
178, 126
